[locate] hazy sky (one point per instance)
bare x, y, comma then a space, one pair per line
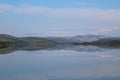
59, 17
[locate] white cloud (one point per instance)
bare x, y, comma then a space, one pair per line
5, 7
94, 14
106, 29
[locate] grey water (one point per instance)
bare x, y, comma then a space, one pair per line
66, 63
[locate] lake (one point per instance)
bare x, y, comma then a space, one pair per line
63, 64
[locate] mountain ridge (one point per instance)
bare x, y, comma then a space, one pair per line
78, 43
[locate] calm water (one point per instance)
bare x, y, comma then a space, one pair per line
60, 65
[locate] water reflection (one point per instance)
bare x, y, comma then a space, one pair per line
67, 47
60, 62
39, 66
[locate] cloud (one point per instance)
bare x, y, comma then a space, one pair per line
94, 14
26, 76
5, 7
106, 29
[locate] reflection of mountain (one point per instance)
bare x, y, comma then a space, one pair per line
26, 43
89, 48
77, 43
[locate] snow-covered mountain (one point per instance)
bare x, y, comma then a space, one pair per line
87, 38
79, 38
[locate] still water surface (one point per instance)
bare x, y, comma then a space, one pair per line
60, 65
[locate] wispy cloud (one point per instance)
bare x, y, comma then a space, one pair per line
106, 29
73, 13
5, 7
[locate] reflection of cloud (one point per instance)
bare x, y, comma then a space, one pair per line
105, 56
29, 76
56, 68
79, 13
91, 72
71, 72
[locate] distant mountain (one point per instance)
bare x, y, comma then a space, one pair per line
3, 44
13, 41
87, 38
79, 38
23, 43
105, 42
36, 43
5, 37
10, 44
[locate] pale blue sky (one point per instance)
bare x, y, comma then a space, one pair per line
59, 17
